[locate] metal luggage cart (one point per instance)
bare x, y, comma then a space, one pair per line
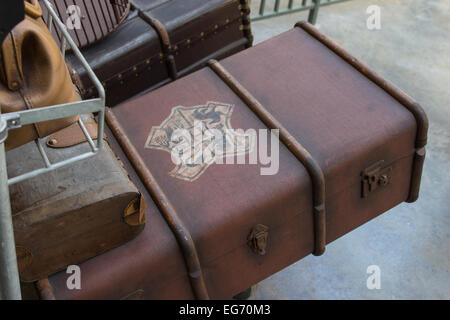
9, 276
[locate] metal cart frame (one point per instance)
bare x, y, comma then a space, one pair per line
9, 275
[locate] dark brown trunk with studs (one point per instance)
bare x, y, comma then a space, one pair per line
163, 40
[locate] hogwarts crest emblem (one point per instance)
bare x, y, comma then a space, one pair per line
197, 137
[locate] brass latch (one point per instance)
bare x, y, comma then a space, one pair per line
257, 240
375, 177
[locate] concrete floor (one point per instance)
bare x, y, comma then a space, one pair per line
410, 243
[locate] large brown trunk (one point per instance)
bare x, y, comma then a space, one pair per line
352, 148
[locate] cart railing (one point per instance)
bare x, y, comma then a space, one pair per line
264, 9
9, 276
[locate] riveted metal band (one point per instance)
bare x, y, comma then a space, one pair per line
164, 38
44, 289
169, 213
313, 168
395, 92
246, 25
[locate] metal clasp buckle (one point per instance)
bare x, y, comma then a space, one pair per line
257, 240
375, 177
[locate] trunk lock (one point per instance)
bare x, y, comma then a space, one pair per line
257, 240
374, 177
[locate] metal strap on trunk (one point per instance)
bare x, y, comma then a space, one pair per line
168, 49
246, 24
169, 213
395, 92
164, 38
44, 289
313, 168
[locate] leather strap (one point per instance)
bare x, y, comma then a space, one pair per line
72, 135
164, 38
134, 213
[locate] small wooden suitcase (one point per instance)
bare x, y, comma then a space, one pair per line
73, 213
352, 147
163, 40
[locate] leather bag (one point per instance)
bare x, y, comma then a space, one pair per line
33, 74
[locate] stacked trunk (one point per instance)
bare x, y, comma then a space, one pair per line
352, 147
